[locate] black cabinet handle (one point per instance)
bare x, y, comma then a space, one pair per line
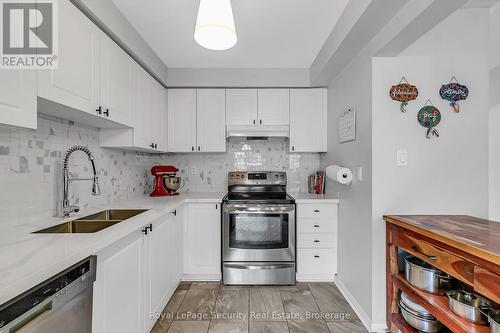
293, 148
145, 231
199, 148
192, 148
316, 210
150, 227
106, 113
174, 212
316, 225
99, 110
254, 121
156, 146
152, 145
316, 256
316, 241
260, 121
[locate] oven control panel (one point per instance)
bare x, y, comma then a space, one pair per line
257, 178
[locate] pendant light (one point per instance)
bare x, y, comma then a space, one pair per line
215, 25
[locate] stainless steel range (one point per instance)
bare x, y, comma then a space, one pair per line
258, 230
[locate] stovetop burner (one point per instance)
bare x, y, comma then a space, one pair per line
262, 187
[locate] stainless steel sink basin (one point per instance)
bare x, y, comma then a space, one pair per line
92, 223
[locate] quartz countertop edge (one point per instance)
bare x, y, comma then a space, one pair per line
29, 259
304, 197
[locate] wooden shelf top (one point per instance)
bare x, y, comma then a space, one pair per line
476, 236
438, 306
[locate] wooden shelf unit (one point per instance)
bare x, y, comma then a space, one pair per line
426, 238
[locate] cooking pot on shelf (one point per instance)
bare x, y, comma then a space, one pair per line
417, 316
425, 277
469, 306
494, 318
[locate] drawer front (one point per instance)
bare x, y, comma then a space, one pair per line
487, 283
317, 241
317, 210
316, 225
316, 261
437, 257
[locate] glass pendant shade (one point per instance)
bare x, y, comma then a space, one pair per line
215, 28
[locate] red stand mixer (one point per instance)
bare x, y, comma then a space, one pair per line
166, 181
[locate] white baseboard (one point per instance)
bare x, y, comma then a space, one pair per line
201, 277
363, 316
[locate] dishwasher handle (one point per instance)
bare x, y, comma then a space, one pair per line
37, 313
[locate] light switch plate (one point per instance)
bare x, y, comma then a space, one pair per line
402, 157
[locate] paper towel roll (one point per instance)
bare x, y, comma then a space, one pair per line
339, 174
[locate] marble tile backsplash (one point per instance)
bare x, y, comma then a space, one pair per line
208, 172
30, 168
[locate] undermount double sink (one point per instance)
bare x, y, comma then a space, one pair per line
92, 223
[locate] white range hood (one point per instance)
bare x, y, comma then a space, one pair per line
257, 131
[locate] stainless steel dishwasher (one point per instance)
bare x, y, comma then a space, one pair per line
62, 304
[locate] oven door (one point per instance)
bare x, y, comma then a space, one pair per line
259, 232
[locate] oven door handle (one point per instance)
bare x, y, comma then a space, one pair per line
254, 267
259, 210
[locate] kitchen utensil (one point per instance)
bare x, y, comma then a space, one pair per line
166, 182
494, 319
421, 323
425, 277
469, 306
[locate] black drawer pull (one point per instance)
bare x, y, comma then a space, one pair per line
316, 241
316, 210
316, 225
316, 256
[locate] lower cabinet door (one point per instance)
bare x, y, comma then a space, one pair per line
202, 256
160, 280
118, 290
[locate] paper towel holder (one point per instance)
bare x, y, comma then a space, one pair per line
339, 174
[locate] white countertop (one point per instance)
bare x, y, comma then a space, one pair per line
28, 259
303, 197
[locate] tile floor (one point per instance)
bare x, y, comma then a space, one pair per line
202, 307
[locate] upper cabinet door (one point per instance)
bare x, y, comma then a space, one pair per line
181, 120
274, 107
159, 118
143, 117
75, 83
116, 91
18, 98
211, 120
241, 106
308, 115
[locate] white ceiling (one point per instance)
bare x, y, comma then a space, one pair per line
271, 33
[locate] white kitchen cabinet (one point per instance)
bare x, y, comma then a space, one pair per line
241, 107
308, 120
274, 107
149, 118
116, 69
202, 241
181, 120
18, 98
196, 120
75, 83
136, 276
211, 120
162, 272
119, 287
316, 241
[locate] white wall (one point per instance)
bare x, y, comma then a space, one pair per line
233, 77
352, 89
494, 120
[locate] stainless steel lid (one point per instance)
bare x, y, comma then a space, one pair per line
414, 306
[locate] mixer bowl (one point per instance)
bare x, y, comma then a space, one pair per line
172, 184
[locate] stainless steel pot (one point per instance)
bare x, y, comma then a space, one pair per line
424, 324
425, 277
469, 306
494, 318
